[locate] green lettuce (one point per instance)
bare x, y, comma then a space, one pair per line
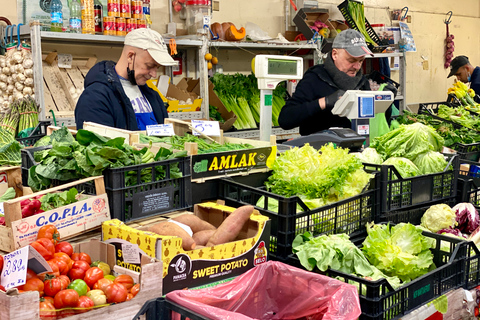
404, 166
438, 217
430, 162
370, 155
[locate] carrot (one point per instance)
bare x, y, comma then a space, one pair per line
231, 226
171, 229
194, 222
201, 237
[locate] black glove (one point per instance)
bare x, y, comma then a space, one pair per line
332, 98
391, 87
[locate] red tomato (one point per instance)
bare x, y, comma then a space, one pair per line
62, 265
125, 280
115, 293
102, 284
135, 289
50, 232
129, 297
30, 274
48, 299
92, 275
67, 298
82, 256
65, 279
47, 311
53, 286
78, 270
65, 257
45, 247
85, 304
33, 284
1, 262
55, 271
2, 288
65, 247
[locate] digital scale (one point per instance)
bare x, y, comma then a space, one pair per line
270, 70
342, 137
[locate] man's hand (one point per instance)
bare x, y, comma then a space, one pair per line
391, 87
332, 98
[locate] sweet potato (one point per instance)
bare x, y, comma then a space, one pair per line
231, 226
201, 237
172, 229
194, 222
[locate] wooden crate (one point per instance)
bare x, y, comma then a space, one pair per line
58, 81
71, 220
131, 137
25, 306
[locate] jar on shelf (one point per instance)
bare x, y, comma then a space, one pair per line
197, 12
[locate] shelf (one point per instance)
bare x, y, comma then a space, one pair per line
255, 133
261, 45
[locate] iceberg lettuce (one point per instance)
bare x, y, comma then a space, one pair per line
405, 167
430, 162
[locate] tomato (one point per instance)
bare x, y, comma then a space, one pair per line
85, 304
65, 247
92, 275
50, 232
48, 299
67, 298
30, 274
80, 286
65, 257
2, 288
53, 286
102, 284
55, 271
78, 270
110, 277
116, 293
129, 297
33, 284
62, 265
135, 289
102, 265
82, 256
65, 279
125, 280
47, 311
45, 247
1, 262
98, 297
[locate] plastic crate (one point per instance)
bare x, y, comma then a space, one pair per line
161, 308
412, 215
432, 110
379, 301
469, 183
39, 132
406, 193
346, 216
343, 7
141, 199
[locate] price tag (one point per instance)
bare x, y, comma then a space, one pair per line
15, 266
131, 253
209, 128
2, 210
160, 130
206, 20
64, 60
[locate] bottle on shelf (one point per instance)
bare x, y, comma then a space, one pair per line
56, 16
75, 17
98, 8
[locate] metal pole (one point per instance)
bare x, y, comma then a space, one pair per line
38, 68
265, 114
203, 77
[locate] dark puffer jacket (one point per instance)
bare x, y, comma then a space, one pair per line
104, 101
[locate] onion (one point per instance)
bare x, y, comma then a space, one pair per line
3, 77
10, 80
27, 91
10, 88
19, 86
6, 70
28, 63
12, 69
19, 68
28, 72
21, 77
28, 82
14, 77
17, 57
3, 86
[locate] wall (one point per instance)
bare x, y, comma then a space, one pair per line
427, 27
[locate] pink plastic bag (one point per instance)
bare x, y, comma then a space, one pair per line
274, 290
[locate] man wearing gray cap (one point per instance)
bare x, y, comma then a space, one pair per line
322, 85
463, 70
116, 95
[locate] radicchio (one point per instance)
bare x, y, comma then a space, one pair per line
467, 217
455, 232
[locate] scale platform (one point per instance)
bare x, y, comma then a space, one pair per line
342, 137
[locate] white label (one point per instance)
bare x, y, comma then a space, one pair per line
65, 60
363, 129
206, 20
131, 253
209, 128
15, 268
2, 211
160, 130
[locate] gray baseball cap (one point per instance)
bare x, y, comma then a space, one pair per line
352, 41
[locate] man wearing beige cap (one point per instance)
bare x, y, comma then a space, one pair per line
322, 85
116, 95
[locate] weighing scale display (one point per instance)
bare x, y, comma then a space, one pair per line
365, 107
283, 67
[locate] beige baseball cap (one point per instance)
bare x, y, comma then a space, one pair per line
151, 41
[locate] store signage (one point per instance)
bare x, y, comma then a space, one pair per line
209, 128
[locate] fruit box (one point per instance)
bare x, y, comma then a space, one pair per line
25, 305
70, 220
180, 92
187, 269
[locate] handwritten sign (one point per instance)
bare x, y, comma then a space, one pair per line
64, 60
160, 130
209, 128
2, 210
131, 253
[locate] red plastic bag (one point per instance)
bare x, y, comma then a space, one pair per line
274, 290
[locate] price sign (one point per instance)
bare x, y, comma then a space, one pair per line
209, 128
131, 253
2, 210
160, 130
64, 60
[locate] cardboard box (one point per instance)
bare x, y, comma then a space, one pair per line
187, 269
180, 92
11, 177
306, 17
26, 305
71, 220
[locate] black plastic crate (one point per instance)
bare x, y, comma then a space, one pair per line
343, 7
469, 183
140, 200
412, 215
432, 110
39, 132
379, 301
161, 308
346, 216
397, 193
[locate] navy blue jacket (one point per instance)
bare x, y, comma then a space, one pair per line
303, 110
475, 83
104, 101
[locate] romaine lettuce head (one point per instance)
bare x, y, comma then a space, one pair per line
430, 162
438, 217
404, 166
408, 141
370, 155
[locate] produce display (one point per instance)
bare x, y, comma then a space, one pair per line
21, 118
459, 115
9, 149
464, 94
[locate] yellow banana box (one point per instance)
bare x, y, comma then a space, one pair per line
191, 268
